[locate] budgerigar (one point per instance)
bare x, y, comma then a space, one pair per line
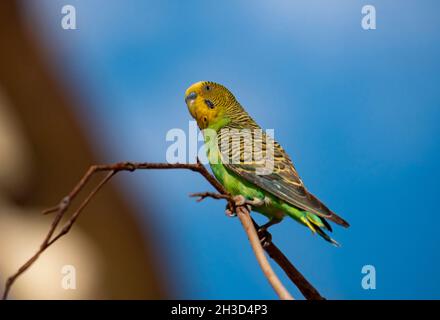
277, 194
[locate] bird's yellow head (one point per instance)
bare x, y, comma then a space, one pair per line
209, 102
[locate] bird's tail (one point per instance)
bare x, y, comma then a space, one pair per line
313, 222
317, 224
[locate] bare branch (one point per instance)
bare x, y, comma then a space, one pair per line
303, 285
202, 195
248, 224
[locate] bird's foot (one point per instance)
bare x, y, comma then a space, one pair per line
265, 237
242, 201
230, 212
256, 202
239, 200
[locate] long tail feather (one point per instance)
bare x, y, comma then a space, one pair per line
317, 224
327, 237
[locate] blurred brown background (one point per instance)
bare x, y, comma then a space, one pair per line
43, 153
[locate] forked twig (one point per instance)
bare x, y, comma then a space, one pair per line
243, 213
303, 285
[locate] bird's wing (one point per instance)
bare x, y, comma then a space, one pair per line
282, 182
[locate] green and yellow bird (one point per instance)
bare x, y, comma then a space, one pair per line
276, 194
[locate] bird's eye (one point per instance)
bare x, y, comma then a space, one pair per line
208, 88
209, 104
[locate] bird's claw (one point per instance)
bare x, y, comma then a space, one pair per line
239, 200
265, 237
242, 201
229, 212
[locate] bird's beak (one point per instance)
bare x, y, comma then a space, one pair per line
190, 97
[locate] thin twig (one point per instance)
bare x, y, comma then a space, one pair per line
202, 195
303, 285
246, 221
249, 226
111, 170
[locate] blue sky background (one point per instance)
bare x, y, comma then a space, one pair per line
357, 110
